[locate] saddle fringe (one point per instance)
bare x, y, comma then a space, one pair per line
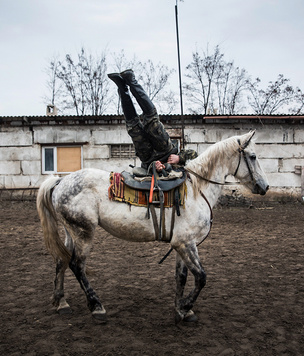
119, 191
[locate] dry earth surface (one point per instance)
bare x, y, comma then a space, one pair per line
252, 304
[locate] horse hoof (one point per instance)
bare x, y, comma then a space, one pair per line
100, 315
178, 317
64, 310
190, 317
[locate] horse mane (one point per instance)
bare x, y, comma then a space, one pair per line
205, 164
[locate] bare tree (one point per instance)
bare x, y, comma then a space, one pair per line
53, 84
298, 102
215, 85
276, 96
121, 62
83, 83
230, 84
86, 89
202, 72
154, 79
96, 83
71, 76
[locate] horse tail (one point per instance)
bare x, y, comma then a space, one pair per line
49, 221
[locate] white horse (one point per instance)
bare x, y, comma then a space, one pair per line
80, 202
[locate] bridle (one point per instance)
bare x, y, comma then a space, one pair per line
243, 154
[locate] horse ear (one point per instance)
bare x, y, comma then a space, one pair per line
247, 138
251, 133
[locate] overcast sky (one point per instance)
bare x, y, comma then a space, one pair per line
263, 36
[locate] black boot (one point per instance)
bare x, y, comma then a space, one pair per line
143, 146
128, 108
119, 81
140, 95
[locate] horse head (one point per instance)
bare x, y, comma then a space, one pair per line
249, 171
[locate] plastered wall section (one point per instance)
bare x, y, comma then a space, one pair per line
21, 151
280, 148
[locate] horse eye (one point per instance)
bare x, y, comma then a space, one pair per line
253, 157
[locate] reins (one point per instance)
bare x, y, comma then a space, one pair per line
210, 208
209, 180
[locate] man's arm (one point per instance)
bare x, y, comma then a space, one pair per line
180, 158
185, 155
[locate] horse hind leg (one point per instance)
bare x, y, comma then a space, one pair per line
82, 238
59, 301
58, 298
77, 265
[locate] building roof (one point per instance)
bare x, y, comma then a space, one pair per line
66, 120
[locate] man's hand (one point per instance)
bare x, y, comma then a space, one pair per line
159, 166
173, 159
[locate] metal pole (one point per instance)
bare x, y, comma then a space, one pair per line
180, 76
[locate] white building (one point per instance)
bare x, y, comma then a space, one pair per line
31, 148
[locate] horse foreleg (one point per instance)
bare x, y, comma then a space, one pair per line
189, 258
181, 273
77, 265
181, 279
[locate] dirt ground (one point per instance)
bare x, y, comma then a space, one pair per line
252, 304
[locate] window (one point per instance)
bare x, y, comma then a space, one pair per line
61, 159
128, 150
122, 151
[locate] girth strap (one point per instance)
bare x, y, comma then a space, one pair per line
161, 235
160, 227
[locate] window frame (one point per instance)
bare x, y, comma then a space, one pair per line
54, 147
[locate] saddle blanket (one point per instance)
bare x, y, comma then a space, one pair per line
119, 191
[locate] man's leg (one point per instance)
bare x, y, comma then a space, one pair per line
143, 146
154, 128
138, 92
159, 137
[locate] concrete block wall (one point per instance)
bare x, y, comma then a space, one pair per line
280, 148
17, 155
20, 151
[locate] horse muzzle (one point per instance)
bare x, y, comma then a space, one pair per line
260, 188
